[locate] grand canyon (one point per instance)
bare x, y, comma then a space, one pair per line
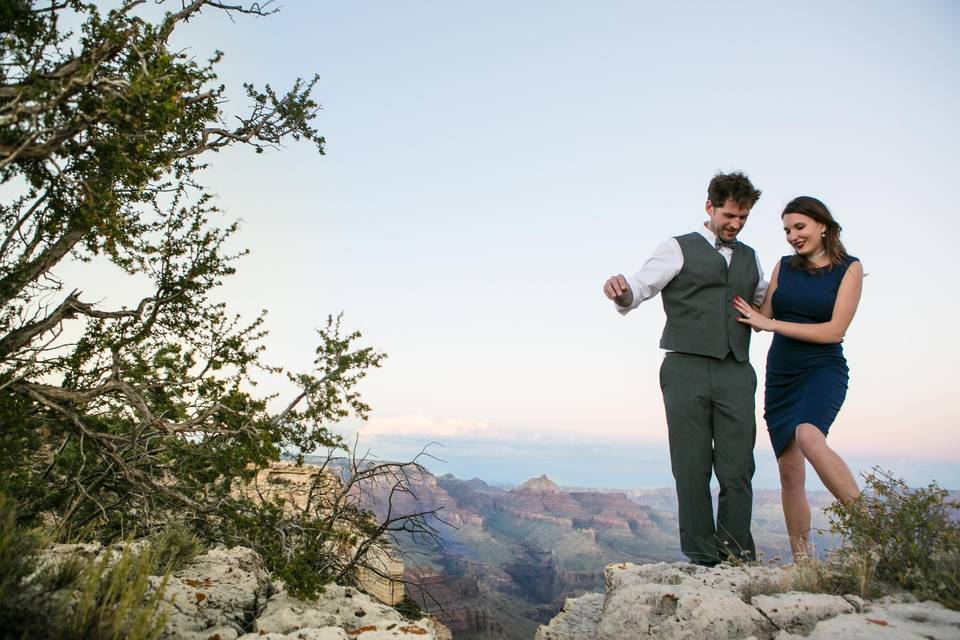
507, 557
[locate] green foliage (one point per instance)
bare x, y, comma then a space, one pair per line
901, 537
296, 550
147, 414
409, 608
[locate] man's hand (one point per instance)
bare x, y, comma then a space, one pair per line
617, 289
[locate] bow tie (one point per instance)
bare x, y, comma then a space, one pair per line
725, 245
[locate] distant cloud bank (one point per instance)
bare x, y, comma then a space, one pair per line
475, 448
433, 428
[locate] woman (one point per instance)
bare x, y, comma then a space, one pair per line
812, 298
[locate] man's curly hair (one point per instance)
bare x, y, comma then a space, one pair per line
734, 186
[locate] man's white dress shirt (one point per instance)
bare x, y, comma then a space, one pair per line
666, 262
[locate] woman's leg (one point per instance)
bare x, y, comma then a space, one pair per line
793, 496
832, 470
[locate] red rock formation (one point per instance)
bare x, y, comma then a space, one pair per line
541, 499
614, 510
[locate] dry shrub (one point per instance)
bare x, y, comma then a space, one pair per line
898, 537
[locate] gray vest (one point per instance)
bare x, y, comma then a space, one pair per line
699, 300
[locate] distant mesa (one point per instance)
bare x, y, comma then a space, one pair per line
541, 484
475, 484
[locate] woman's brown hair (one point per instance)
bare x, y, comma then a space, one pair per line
813, 208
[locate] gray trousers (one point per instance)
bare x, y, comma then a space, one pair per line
712, 428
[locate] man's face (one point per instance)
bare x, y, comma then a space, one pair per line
726, 221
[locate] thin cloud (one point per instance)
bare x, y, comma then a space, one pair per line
439, 429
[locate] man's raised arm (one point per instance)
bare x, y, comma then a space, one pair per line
656, 273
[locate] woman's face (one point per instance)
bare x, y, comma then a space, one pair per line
804, 233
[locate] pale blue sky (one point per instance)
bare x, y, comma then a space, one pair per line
490, 164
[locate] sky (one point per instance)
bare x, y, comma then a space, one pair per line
489, 165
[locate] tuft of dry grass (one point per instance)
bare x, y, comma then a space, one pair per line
765, 587
78, 598
114, 600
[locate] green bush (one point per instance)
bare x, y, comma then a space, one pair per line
409, 608
900, 537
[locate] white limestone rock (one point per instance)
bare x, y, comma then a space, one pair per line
578, 620
672, 611
900, 621
217, 594
379, 631
339, 610
797, 612
680, 601
327, 633
60, 552
284, 613
859, 604
722, 577
225, 593
690, 602
337, 606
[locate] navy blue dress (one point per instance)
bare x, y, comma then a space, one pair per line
806, 381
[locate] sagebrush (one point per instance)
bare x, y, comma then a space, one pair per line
903, 537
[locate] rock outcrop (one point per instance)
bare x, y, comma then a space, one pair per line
219, 594
338, 613
226, 594
685, 601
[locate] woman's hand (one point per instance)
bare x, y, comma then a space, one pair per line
751, 315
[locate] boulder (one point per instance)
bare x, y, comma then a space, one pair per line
903, 621
578, 619
678, 600
217, 594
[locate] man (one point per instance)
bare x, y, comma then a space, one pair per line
707, 381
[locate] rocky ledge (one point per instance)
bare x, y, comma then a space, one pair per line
227, 594
686, 601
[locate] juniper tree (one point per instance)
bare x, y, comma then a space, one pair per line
148, 415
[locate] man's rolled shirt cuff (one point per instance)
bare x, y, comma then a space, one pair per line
636, 299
